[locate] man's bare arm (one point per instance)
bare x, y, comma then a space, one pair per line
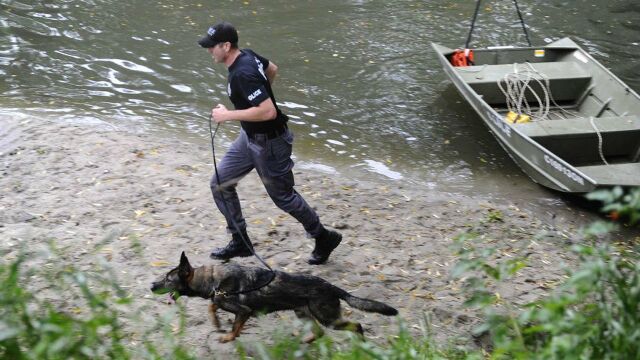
272, 71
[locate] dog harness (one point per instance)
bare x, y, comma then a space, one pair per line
216, 291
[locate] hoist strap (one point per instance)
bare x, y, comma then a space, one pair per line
475, 16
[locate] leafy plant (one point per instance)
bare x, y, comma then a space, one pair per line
495, 216
592, 315
481, 271
595, 315
619, 204
398, 347
36, 327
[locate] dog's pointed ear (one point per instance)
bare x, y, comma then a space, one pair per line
184, 269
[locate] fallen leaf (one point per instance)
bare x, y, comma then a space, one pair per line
427, 296
160, 263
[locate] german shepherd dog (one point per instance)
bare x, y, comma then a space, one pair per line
248, 291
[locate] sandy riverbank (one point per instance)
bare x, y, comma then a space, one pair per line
82, 184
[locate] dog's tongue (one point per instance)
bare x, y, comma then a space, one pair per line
171, 300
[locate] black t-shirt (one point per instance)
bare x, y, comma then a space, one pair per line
248, 86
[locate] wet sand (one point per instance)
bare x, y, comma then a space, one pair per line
88, 185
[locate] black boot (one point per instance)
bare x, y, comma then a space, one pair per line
325, 243
235, 248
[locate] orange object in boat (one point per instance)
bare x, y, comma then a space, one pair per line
462, 58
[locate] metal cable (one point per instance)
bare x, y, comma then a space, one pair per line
473, 24
475, 16
524, 27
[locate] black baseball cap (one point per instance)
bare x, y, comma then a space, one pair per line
219, 33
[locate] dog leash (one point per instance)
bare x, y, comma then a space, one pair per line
216, 291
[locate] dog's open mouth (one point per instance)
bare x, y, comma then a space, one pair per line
173, 295
171, 300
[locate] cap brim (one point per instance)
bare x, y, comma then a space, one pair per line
206, 42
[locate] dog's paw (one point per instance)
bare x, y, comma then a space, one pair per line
309, 338
226, 338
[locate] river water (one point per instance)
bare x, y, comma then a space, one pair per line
363, 88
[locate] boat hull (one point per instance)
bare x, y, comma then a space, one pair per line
539, 163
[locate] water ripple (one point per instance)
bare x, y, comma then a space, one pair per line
358, 79
127, 64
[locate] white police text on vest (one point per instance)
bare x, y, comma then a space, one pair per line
255, 94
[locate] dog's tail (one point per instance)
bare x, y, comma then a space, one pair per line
367, 304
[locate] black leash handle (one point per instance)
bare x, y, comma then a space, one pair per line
475, 16
235, 225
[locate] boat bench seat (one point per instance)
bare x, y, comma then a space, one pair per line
567, 80
614, 174
579, 127
577, 142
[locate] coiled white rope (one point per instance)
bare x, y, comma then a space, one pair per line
593, 124
515, 86
548, 89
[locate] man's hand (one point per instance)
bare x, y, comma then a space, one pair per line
221, 114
